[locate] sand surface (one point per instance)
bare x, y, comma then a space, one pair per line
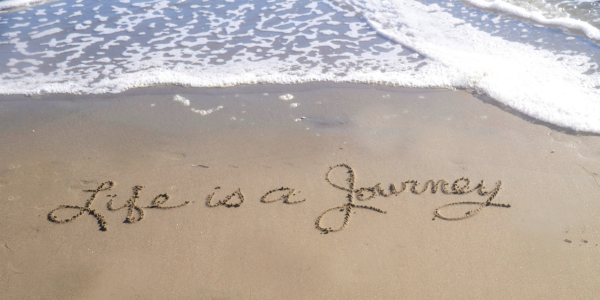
56, 150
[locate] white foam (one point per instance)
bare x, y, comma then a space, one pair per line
20, 25
46, 32
286, 97
206, 112
298, 45
13, 62
10, 4
587, 29
528, 79
182, 100
11, 34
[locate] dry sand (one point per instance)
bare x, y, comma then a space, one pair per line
55, 147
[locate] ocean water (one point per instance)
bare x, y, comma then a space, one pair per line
538, 57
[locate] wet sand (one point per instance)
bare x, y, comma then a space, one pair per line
326, 230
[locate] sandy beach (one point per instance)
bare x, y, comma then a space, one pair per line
171, 201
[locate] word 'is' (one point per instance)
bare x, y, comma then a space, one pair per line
460, 186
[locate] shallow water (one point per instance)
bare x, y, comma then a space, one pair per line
112, 46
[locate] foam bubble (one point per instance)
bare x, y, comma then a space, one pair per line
286, 97
181, 100
536, 16
10, 4
206, 112
44, 33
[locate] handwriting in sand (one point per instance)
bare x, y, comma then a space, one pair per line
135, 212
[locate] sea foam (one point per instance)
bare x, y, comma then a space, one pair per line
541, 83
585, 28
112, 46
10, 4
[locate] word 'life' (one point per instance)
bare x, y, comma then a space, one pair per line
460, 186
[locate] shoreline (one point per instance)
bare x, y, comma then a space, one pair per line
174, 89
